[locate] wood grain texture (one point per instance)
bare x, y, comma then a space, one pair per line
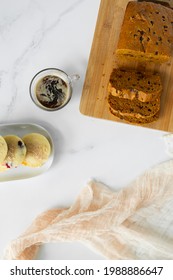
101, 62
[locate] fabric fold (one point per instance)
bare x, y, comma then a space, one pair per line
133, 223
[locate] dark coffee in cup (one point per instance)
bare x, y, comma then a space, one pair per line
52, 91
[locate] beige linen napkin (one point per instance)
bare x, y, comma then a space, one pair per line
133, 223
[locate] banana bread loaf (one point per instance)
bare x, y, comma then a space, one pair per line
134, 96
146, 33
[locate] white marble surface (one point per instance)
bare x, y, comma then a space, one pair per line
36, 34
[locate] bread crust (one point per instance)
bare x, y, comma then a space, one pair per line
146, 33
134, 84
134, 118
134, 96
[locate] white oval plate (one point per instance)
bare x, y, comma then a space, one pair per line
23, 172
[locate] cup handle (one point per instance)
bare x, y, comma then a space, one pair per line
74, 77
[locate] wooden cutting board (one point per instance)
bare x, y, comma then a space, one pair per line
101, 62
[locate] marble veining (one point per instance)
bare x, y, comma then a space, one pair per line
37, 34
32, 12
